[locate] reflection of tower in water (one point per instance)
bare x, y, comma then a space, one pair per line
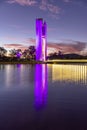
70, 73
40, 86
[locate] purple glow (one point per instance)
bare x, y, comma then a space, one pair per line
18, 65
18, 54
41, 49
40, 86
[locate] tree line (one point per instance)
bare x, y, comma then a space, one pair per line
17, 54
29, 54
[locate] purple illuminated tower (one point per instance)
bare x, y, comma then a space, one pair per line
41, 48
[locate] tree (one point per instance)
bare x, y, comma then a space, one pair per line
25, 54
12, 53
60, 55
2, 52
18, 53
29, 53
32, 52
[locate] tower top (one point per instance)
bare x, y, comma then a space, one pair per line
39, 19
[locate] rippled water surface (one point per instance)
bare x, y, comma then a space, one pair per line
49, 97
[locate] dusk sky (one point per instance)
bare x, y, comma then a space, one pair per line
66, 21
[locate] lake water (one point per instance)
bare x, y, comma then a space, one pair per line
43, 97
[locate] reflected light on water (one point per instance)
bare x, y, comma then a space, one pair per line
18, 65
40, 86
15, 75
70, 73
9, 73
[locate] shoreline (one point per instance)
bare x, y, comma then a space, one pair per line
21, 62
70, 61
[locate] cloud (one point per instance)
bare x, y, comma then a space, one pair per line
25, 45
30, 41
62, 48
8, 45
79, 45
23, 2
43, 5
47, 6
15, 46
74, 47
69, 46
53, 10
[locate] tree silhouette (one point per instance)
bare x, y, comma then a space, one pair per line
2, 51
12, 53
